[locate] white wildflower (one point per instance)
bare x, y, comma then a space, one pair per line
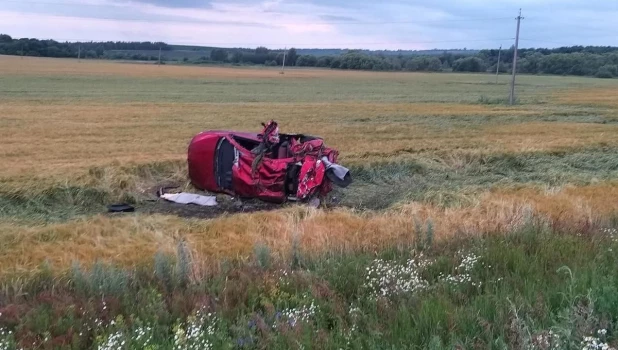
388, 278
143, 337
354, 310
303, 314
198, 334
113, 342
611, 232
283, 280
6, 340
462, 271
594, 343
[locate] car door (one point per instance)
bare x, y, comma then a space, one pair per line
266, 181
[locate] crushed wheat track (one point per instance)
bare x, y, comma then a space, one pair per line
71, 131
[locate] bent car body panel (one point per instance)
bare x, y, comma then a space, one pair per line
222, 161
202, 157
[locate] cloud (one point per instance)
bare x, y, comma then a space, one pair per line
175, 3
388, 24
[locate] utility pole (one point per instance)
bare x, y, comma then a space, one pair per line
512, 96
285, 51
159, 55
498, 64
79, 52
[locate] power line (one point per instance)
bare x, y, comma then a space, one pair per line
544, 41
353, 22
381, 42
512, 96
409, 22
222, 44
565, 43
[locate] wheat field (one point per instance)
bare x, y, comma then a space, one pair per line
75, 136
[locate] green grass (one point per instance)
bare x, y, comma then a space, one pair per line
523, 285
388, 87
376, 185
513, 292
380, 185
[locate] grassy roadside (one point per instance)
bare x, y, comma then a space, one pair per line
471, 225
528, 289
459, 196
444, 180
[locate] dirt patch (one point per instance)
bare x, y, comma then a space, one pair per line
225, 206
152, 204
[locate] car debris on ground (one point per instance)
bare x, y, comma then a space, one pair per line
190, 198
269, 166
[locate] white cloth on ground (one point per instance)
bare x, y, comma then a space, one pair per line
338, 170
190, 198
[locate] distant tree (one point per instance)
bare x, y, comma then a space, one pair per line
424, 63
307, 61
185, 59
335, 63
528, 64
100, 50
53, 51
469, 64
502, 69
446, 58
218, 55
291, 57
606, 72
577, 69
270, 63
411, 65
324, 61
258, 56
433, 64
237, 57
261, 50
613, 68
396, 63
279, 58
612, 58
573, 60
571, 63
251, 57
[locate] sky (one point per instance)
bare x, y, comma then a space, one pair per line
352, 24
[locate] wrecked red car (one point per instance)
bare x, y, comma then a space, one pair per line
269, 166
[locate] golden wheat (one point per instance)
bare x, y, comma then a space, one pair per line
68, 139
128, 241
97, 143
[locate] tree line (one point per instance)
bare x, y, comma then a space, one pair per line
599, 61
52, 48
260, 55
596, 61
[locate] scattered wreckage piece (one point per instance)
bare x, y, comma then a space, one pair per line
120, 208
190, 198
269, 166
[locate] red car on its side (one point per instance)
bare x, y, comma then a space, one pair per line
269, 166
